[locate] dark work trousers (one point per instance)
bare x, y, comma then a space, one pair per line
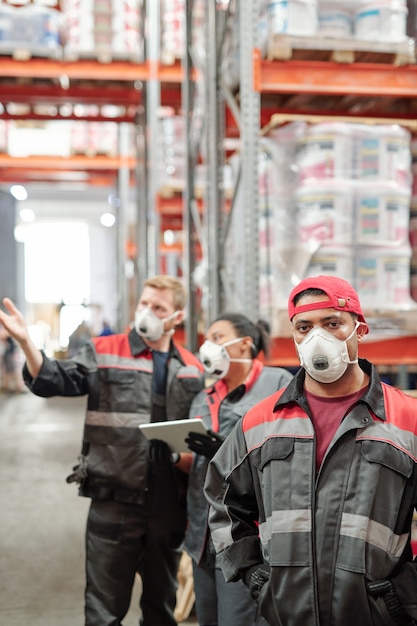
121, 541
219, 603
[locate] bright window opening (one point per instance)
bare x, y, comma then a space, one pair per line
57, 262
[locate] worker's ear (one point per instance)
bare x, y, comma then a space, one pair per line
247, 344
361, 330
179, 318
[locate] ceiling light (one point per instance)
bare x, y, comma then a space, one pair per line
27, 215
19, 192
19, 233
113, 200
169, 237
107, 219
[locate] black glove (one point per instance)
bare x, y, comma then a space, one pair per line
255, 577
159, 452
80, 471
385, 589
207, 445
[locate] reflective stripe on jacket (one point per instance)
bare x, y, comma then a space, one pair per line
221, 411
323, 535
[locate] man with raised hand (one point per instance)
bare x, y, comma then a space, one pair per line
137, 517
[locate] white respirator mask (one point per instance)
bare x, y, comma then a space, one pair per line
324, 356
216, 359
149, 325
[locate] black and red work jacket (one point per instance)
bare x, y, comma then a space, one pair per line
324, 534
115, 372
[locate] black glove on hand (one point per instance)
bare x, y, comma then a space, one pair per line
385, 589
255, 577
207, 445
159, 452
80, 471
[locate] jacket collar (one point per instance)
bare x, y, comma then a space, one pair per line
373, 396
220, 387
136, 343
138, 346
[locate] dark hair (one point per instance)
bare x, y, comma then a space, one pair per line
315, 291
311, 291
259, 332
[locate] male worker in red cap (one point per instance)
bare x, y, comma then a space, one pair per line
313, 493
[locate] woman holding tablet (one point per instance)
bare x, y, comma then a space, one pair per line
230, 355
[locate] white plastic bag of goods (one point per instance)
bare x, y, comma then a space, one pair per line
292, 17
381, 21
334, 261
383, 277
382, 152
325, 213
382, 213
326, 151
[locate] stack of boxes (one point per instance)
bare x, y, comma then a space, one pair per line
104, 29
31, 30
369, 20
334, 198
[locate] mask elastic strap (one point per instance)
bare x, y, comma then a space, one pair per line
357, 324
233, 341
166, 319
170, 317
240, 360
230, 343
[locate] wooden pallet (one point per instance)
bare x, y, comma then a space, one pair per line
102, 56
20, 52
285, 47
185, 592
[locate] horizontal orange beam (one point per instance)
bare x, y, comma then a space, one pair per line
51, 92
80, 69
89, 69
54, 163
104, 178
174, 204
327, 77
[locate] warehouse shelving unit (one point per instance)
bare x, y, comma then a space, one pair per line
289, 87
111, 90
282, 86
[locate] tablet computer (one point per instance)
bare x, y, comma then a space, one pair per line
173, 432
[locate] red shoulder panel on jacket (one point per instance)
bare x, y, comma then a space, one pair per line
401, 409
113, 344
188, 357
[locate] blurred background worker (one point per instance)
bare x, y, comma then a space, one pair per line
229, 353
78, 338
11, 380
106, 329
137, 515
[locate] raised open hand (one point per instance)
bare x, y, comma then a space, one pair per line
13, 321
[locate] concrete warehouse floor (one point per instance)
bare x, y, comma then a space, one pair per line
42, 517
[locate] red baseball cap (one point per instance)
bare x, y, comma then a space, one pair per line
341, 294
